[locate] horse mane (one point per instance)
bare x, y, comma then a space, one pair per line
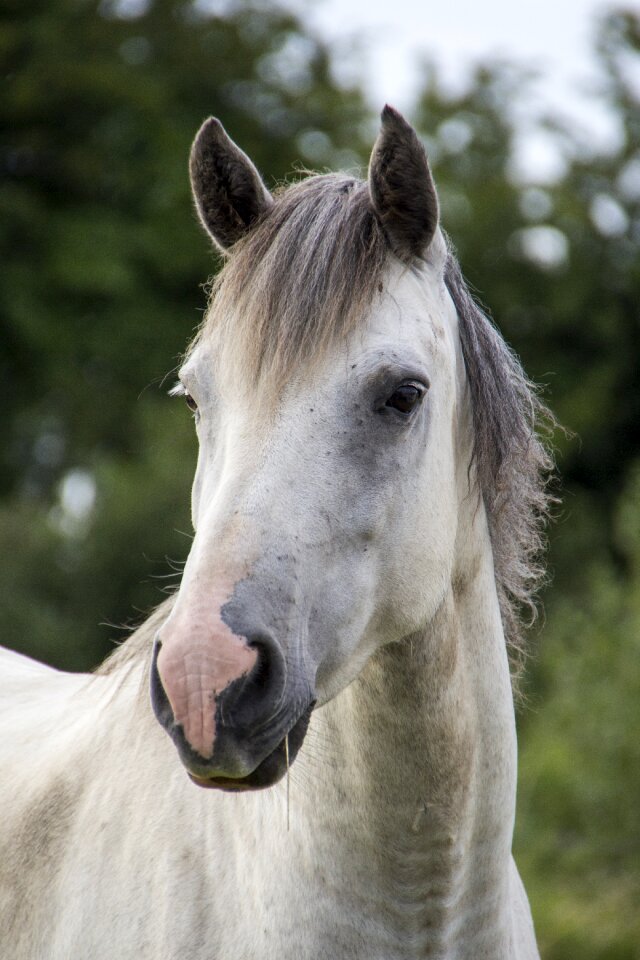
301, 280
512, 459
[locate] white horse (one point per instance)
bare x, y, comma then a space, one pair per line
367, 507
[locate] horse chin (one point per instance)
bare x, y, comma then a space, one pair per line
271, 769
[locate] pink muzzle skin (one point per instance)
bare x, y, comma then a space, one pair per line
199, 658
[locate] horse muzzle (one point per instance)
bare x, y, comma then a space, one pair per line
243, 735
271, 769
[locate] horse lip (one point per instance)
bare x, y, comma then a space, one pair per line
227, 784
270, 769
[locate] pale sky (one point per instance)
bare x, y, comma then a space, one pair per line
553, 36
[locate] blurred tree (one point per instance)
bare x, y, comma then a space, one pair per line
579, 822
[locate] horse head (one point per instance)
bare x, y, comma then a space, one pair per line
327, 384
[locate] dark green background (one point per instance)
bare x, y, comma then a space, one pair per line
101, 270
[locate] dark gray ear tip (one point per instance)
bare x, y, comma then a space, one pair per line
213, 127
210, 132
392, 119
401, 188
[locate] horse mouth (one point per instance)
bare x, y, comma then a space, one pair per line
270, 770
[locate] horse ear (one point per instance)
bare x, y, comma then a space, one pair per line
401, 187
227, 188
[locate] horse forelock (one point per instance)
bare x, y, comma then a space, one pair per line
297, 283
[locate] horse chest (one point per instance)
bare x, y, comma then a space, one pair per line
327, 897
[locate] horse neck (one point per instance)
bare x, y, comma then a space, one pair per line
420, 798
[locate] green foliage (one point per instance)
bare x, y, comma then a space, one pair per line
579, 826
102, 262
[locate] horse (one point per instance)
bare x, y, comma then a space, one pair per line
309, 750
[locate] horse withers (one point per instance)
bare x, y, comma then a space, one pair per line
334, 667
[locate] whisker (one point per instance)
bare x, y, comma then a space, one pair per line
286, 753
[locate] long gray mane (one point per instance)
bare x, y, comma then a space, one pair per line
302, 279
513, 465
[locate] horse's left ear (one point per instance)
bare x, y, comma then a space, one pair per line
403, 194
227, 188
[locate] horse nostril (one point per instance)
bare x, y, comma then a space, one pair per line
260, 694
262, 672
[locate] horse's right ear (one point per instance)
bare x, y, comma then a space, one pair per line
227, 188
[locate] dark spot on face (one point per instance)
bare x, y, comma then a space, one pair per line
380, 287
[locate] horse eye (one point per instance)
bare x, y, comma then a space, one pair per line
405, 398
190, 402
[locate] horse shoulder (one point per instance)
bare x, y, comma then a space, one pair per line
43, 712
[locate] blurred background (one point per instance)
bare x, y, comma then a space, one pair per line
102, 267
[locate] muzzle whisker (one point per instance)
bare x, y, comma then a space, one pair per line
286, 753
